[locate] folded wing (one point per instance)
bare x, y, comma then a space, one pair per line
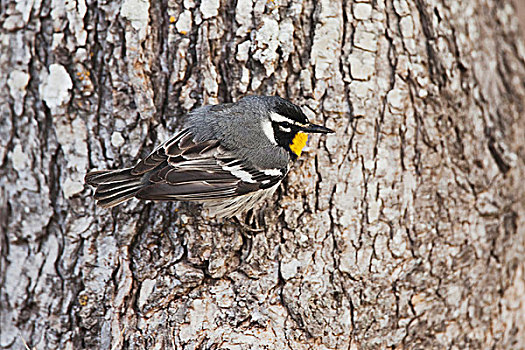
182, 169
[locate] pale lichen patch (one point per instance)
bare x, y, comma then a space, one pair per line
243, 50
397, 99
243, 16
362, 11
137, 11
55, 87
209, 8
401, 7
183, 24
266, 44
362, 64
19, 159
71, 187
290, 268
406, 25
116, 139
286, 31
327, 40
17, 83
76, 10
146, 289
365, 39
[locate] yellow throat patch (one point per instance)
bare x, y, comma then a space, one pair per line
298, 143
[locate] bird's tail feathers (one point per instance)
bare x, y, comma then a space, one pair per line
114, 186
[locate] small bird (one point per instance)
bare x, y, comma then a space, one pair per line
227, 156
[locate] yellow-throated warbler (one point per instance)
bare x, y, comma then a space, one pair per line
227, 156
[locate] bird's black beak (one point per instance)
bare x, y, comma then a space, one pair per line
319, 129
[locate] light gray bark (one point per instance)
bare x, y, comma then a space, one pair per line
405, 229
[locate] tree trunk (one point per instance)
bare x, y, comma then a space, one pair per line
405, 229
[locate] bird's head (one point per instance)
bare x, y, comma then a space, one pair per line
287, 126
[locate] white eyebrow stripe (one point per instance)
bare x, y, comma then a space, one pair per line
268, 131
278, 118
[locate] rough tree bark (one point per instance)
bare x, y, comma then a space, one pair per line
405, 229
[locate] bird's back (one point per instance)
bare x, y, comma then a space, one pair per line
237, 126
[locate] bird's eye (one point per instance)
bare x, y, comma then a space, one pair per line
285, 126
